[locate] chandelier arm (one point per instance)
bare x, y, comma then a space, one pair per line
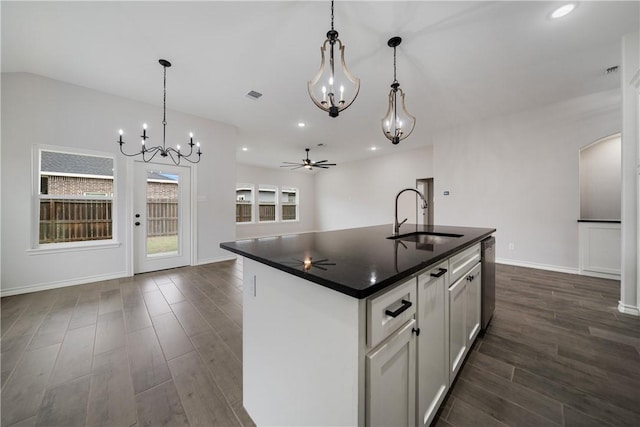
122, 151
191, 161
173, 154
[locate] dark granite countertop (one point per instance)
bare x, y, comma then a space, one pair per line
357, 262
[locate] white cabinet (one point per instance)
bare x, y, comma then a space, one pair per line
457, 326
390, 371
473, 302
464, 311
433, 354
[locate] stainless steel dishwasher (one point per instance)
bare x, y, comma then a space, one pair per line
488, 260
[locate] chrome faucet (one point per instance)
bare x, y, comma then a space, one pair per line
396, 225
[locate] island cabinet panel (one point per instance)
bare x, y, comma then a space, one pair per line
433, 342
457, 326
391, 380
303, 358
473, 303
464, 307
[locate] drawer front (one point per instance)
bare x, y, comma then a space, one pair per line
389, 311
460, 263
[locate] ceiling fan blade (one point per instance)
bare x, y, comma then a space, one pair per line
321, 161
321, 166
291, 163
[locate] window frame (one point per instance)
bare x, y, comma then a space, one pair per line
251, 188
289, 190
36, 197
269, 188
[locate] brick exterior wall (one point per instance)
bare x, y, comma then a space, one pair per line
76, 186
162, 191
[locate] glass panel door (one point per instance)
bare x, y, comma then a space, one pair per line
162, 217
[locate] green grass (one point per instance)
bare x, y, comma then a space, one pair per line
162, 244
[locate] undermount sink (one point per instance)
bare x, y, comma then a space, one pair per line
428, 237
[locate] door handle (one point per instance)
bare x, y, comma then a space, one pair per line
440, 272
137, 223
405, 306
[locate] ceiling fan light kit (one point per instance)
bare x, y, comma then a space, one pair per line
308, 164
173, 153
333, 89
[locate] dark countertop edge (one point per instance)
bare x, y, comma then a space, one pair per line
355, 293
607, 221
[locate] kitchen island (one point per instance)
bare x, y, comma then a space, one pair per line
332, 322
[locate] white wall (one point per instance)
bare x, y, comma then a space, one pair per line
37, 110
362, 193
517, 173
304, 182
600, 179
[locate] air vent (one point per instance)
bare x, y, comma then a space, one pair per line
254, 95
611, 70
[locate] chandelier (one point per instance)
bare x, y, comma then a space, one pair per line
322, 89
173, 153
397, 124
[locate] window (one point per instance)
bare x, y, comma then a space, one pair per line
244, 203
267, 202
289, 203
75, 196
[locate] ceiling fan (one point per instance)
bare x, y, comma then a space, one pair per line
306, 163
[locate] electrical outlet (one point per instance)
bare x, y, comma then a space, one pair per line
512, 246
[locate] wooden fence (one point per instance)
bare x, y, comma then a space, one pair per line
74, 220
266, 212
162, 217
243, 211
78, 220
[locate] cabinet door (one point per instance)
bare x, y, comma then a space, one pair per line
391, 391
457, 326
473, 301
433, 342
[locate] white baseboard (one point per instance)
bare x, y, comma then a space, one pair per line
600, 274
217, 259
61, 284
547, 267
628, 309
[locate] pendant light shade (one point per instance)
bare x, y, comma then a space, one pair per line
397, 124
333, 88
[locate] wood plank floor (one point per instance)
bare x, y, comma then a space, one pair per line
165, 349
557, 352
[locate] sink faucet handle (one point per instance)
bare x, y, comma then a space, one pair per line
402, 222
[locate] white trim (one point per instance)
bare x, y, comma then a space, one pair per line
217, 259
77, 175
86, 245
193, 200
547, 267
628, 309
62, 284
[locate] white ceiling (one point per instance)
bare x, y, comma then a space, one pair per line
458, 62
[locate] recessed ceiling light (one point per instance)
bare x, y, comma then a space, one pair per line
563, 10
301, 124
245, 149
374, 148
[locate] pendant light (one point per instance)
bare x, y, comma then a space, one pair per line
397, 124
173, 153
333, 89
